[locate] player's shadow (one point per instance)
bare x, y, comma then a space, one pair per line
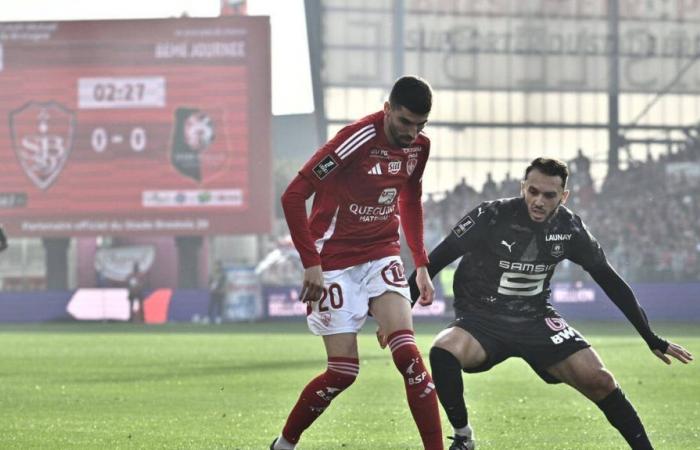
136, 373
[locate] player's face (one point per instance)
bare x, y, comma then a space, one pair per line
543, 194
401, 126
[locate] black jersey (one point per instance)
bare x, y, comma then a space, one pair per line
508, 260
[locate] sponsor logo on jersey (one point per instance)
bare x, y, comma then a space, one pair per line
387, 196
379, 153
372, 213
557, 237
557, 250
508, 246
411, 165
525, 267
326, 166
42, 137
412, 150
394, 167
463, 226
375, 170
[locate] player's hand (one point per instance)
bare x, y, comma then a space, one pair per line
425, 286
312, 287
676, 351
381, 338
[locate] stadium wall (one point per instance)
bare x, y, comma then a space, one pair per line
576, 301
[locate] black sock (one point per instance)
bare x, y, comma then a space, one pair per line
447, 376
622, 415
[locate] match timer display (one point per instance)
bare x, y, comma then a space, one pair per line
135, 127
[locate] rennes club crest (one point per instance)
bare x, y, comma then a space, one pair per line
42, 138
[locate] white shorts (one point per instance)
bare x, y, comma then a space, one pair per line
344, 304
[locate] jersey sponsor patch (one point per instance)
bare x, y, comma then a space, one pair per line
394, 167
557, 250
387, 196
463, 226
326, 166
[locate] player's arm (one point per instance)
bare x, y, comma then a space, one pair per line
411, 211
464, 235
622, 295
294, 206
3, 240
588, 253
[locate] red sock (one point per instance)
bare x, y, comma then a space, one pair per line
317, 395
420, 389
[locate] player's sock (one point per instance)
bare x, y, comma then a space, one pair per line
447, 374
420, 390
317, 395
622, 415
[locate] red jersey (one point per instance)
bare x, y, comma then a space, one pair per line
361, 183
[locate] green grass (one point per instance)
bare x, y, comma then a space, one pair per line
124, 386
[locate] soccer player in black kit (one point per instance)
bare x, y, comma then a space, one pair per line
509, 249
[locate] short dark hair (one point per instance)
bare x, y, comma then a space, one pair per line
413, 93
549, 166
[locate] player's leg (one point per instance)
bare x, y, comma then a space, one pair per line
455, 349
343, 367
393, 313
337, 316
584, 370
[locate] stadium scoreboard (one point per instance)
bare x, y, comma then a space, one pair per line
135, 127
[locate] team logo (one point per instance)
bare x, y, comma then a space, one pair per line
326, 166
555, 323
557, 250
411, 165
395, 275
195, 151
42, 138
394, 167
326, 319
463, 226
387, 196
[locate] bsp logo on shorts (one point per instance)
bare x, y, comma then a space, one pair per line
463, 226
326, 166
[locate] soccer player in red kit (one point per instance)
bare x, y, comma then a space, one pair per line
364, 179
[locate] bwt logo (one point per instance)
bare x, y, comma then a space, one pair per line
563, 335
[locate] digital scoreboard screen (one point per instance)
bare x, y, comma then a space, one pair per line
135, 127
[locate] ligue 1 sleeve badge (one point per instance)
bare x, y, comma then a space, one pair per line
42, 138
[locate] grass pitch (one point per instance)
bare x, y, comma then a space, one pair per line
125, 386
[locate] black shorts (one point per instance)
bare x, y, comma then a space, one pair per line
541, 342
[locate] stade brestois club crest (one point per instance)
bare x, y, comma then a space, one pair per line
42, 138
